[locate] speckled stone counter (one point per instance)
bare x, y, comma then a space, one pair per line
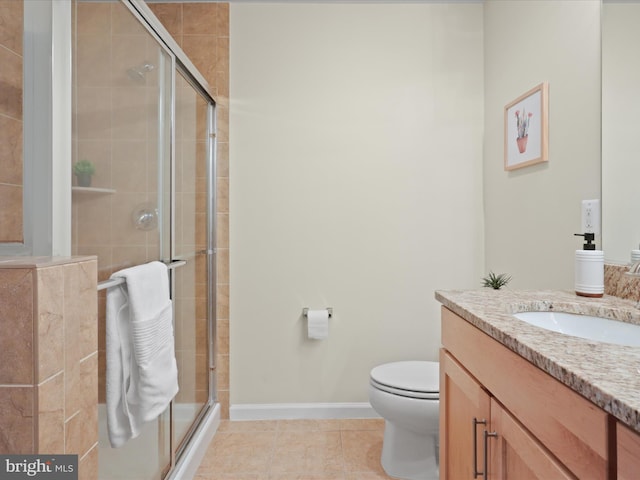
608, 375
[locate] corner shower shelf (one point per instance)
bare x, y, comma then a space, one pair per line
93, 190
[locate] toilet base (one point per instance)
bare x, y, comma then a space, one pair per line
408, 455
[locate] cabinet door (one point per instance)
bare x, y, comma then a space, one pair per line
461, 400
628, 453
515, 454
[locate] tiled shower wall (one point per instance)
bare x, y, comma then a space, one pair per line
11, 120
48, 372
202, 30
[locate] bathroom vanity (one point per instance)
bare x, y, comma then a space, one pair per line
518, 401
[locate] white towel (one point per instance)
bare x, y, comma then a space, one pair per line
142, 375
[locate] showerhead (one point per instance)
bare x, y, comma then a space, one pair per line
139, 72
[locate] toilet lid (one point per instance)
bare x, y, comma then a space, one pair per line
409, 376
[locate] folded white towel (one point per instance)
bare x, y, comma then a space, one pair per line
142, 375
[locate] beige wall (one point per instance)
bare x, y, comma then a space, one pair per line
356, 183
531, 214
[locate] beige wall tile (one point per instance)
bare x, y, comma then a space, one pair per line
222, 371
128, 256
202, 370
223, 400
123, 21
222, 54
222, 88
72, 388
200, 221
93, 60
129, 168
93, 18
50, 326
222, 335
11, 81
222, 27
88, 465
16, 325
16, 416
222, 194
128, 52
11, 22
51, 415
94, 220
202, 342
11, 214
223, 265
10, 151
223, 123
223, 159
170, 14
222, 308
200, 18
81, 309
129, 112
201, 50
122, 227
92, 111
222, 230
81, 432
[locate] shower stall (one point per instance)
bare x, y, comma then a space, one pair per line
144, 118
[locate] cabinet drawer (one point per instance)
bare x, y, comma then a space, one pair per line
573, 429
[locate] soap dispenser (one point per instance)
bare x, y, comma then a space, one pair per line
589, 268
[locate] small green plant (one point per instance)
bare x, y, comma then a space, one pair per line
496, 281
84, 167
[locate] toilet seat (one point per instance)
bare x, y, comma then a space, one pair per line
413, 379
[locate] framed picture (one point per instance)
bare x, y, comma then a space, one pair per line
526, 129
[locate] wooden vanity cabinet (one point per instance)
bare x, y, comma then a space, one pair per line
628, 443
461, 400
536, 426
511, 454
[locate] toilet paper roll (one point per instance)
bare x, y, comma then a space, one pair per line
635, 256
318, 324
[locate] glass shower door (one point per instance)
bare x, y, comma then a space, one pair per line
191, 243
122, 125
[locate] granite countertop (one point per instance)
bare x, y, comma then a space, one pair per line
608, 375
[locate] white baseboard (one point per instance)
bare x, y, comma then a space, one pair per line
296, 411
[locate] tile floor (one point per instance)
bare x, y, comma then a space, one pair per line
295, 450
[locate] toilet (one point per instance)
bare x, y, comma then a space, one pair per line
406, 394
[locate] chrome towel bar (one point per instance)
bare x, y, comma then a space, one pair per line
112, 282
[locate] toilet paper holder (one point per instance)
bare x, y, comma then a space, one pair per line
305, 312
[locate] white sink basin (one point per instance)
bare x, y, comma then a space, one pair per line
584, 326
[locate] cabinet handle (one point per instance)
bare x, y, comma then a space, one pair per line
476, 422
486, 435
